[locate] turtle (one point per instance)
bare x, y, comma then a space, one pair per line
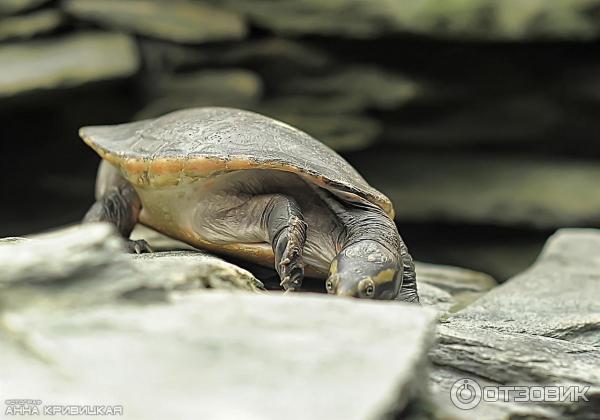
239, 183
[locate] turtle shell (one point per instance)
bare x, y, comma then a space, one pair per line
201, 142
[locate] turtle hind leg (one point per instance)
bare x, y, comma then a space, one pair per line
287, 234
120, 206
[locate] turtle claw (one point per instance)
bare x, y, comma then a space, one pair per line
291, 268
288, 244
139, 246
285, 281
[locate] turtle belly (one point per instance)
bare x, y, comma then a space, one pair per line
200, 214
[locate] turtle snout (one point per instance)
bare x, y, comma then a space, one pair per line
364, 288
345, 290
336, 286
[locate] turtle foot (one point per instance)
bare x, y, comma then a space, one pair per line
290, 264
139, 246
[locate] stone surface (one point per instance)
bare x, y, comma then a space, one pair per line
179, 20
357, 87
64, 62
493, 358
452, 19
450, 289
16, 6
275, 58
226, 87
484, 189
87, 264
500, 120
26, 26
435, 297
341, 132
278, 356
158, 241
558, 297
541, 327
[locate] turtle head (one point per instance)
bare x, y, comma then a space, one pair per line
365, 269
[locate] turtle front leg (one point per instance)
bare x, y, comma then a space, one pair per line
287, 233
120, 206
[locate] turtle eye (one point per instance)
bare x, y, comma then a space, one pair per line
367, 288
331, 283
329, 286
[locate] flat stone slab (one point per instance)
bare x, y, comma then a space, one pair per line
449, 289
539, 328
66, 62
81, 322
358, 88
453, 19
558, 297
224, 87
87, 264
31, 24
16, 6
340, 131
222, 355
179, 21
485, 189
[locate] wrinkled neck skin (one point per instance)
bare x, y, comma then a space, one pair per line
370, 223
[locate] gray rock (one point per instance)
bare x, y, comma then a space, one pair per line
292, 356
454, 19
11, 240
435, 297
454, 280
87, 264
158, 241
342, 132
449, 289
541, 327
324, 18
484, 189
180, 21
16, 6
26, 26
514, 357
558, 297
498, 120
60, 255
65, 62
192, 270
226, 87
357, 88
283, 53
274, 58
440, 385
518, 359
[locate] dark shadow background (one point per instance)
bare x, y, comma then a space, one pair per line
416, 108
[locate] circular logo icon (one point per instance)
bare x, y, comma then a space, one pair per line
465, 394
